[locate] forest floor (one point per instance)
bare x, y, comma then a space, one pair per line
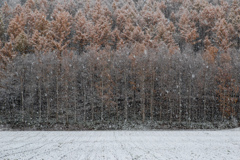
93, 145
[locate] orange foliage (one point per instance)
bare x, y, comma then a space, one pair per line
16, 25
187, 28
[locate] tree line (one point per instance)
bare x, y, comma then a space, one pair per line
161, 61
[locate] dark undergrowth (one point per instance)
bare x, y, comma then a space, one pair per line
120, 125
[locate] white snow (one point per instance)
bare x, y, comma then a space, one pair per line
111, 145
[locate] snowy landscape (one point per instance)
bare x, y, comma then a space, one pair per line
121, 145
119, 79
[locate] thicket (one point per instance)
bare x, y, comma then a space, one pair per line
102, 64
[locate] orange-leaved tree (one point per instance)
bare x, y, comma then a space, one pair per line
187, 28
60, 29
82, 29
16, 25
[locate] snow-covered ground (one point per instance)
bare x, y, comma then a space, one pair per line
121, 145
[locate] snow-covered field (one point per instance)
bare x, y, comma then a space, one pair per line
122, 145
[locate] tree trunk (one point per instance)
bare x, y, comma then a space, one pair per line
179, 98
102, 103
40, 99
171, 110
84, 103
116, 99
66, 101
134, 104
143, 97
223, 107
204, 99
189, 99
75, 105
212, 116
92, 97
48, 107
125, 98
57, 92
238, 41
152, 97
160, 106
22, 98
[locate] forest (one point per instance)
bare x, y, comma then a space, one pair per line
119, 64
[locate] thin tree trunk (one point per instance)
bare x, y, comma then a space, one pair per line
116, 98
171, 110
179, 98
57, 92
160, 112
126, 98
160, 106
152, 97
102, 105
134, 92
84, 104
134, 104
204, 99
47, 97
67, 112
212, 116
66, 101
237, 110
189, 99
143, 97
224, 102
22, 99
75, 105
92, 97
48, 107
238, 42
39, 100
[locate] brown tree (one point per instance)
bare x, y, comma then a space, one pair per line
16, 26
